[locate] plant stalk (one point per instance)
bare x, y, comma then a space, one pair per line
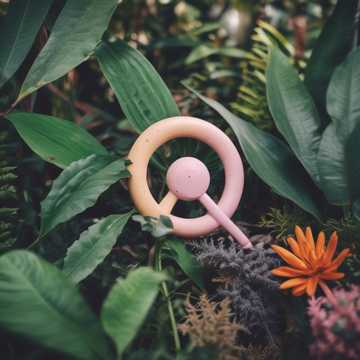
165, 291
33, 244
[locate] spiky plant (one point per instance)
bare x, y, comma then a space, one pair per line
211, 324
245, 278
8, 196
335, 324
280, 222
252, 103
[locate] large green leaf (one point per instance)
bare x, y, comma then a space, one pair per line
78, 187
128, 303
37, 301
94, 244
337, 162
272, 160
74, 36
343, 95
57, 141
142, 94
331, 164
18, 31
330, 50
293, 110
353, 164
187, 261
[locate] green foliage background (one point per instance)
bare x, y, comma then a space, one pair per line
81, 79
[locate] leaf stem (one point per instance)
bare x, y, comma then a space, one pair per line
35, 242
165, 291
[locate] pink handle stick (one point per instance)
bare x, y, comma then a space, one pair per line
188, 179
224, 221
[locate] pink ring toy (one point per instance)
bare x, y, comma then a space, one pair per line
183, 126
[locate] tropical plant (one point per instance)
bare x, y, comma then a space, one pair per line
251, 103
318, 159
88, 170
86, 283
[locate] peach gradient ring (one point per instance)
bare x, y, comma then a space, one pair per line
188, 178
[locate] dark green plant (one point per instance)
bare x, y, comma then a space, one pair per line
251, 101
42, 301
281, 222
41, 289
8, 194
318, 159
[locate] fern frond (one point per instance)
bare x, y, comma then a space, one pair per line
252, 102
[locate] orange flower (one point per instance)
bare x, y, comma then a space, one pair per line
310, 264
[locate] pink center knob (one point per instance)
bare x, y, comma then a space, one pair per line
188, 178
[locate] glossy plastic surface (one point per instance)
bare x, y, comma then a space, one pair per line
189, 127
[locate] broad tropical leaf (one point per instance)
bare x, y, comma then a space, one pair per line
57, 141
294, 111
330, 50
353, 163
78, 187
338, 166
94, 244
18, 31
128, 303
331, 163
37, 301
142, 94
343, 95
271, 159
187, 261
74, 36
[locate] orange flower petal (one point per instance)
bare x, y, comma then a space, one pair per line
299, 290
313, 259
304, 247
294, 246
290, 258
340, 258
292, 283
330, 250
300, 234
287, 271
311, 285
310, 238
320, 244
332, 276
